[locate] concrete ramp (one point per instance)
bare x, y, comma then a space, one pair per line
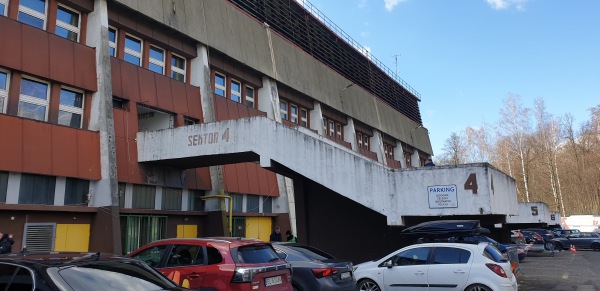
473, 189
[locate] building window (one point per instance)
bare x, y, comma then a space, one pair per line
71, 108
3, 7
112, 41
363, 141
220, 85
121, 188
157, 60
338, 131
76, 191
178, 68
143, 196
333, 129
119, 103
304, 117
252, 203
4, 81
133, 50
250, 96
190, 121
283, 105
68, 23
171, 199
195, 201
33, 12
388, 150
236, 91
37, 189
267, 204
294, 113
238, 202
3, 186
33, 101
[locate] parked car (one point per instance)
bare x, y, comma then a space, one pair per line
503, 248
79, 272
546, 234
314, 269
218, 263
581, 240
451, 266
565, 232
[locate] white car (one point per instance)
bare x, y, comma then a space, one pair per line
438, 266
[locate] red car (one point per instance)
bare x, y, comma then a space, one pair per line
218, 263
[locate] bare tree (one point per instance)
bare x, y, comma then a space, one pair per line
454, 150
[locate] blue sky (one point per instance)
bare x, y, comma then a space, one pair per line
465, 56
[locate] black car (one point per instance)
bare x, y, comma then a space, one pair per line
79, 271
546, 234
316, 270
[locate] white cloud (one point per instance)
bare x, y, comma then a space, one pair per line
506, 4
364, 34
390, 4
362, 4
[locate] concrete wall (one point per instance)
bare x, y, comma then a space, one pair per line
533, 212
253, 44
394, 193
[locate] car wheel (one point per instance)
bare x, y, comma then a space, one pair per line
550, 246
596, 246
558, 246
478, 287
367, 285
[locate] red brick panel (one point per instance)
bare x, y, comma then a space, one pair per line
190, 179
119, 120
147, 87
163, 91
221, 108
10, 50
122, 173
393, 163
64, 151
203, 179
263, 181
230, 180
85, 67
194, 104
11, 148
117, 89
129, 77
233, 110
180, 104
242, 177
35, 55
88, 154
273, 185
253, 183
37, 155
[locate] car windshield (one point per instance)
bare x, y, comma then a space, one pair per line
256, 254
113, 275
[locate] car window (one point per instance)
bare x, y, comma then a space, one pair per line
186, 255
415, 256
112, 275
446, 255
256, 254
312, 252
213, 256
494, 254
151, 255
15, 278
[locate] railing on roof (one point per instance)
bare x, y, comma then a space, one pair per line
337, 30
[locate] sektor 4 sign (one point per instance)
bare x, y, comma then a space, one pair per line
443, 196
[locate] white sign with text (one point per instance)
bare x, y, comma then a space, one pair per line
443, 196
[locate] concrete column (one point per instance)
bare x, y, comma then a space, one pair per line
200, 76
350, 134
316, 119
268, 99
377, 146
59, 191
13, 187
414, 159
399, 154
105, 192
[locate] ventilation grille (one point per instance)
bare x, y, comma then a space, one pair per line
39, 237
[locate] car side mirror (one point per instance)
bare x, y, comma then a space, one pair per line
388, 264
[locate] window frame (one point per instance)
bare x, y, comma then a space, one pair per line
112, 44
303, 119
220, 87
131, 52
175, 69
231, 92
36, 14
283, 112
5, 11
34, 100
153, 61
250, 98
68, 26
388, 150
294, 117
4, 92
72, 109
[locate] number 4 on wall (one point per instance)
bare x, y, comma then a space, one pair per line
471, 183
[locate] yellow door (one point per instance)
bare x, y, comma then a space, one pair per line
259, 227
72, 238
187, 231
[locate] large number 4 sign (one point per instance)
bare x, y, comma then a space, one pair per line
471, 183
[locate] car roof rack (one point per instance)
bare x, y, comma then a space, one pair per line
446, 231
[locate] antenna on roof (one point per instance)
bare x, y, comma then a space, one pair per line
396, 62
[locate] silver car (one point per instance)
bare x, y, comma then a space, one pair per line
581, 240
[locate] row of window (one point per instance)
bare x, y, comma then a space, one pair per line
134, 53
235, 90
34, 100
333, 129
294, 113
362, 140
38, 189
35, 13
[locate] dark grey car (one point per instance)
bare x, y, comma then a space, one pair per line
581, 240
315, 270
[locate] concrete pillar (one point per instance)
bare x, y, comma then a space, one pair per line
414, 159
200, 76
350, 134
105, 192
268, 99
399, 154
377, 146
316, 118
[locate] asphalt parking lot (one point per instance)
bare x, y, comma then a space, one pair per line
565, 270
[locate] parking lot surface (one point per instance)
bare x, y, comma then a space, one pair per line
579, 271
